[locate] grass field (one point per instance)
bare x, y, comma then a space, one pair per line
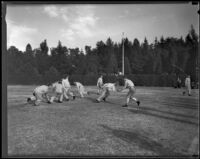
167, 124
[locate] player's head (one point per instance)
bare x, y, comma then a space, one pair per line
49, 84
60, 82
65, 77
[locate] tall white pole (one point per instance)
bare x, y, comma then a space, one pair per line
123, 53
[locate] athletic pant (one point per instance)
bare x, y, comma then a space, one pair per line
104, 94
40, 97
82, 91
67, 92
59, 97
188, 89
130, 95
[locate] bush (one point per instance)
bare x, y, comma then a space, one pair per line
163, 80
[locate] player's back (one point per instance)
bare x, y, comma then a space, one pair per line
129, 83
109, 86
187, 81
65, 83
58, 87
78, 84
41, 89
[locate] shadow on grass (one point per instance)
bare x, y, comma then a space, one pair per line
161, 116
171, 103
21, 105
91, 99
180, 105
105, 102
171, 113
142, 141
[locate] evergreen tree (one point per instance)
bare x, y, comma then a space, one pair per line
52, 75
127, 68
42, 58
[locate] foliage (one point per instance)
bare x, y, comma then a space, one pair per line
146, 64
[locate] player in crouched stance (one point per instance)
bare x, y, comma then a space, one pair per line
81, 89
130, 85
107, 87
40, 94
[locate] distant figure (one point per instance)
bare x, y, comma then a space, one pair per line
100, 84
40, 94
58, 90
130, 85
187, 85
107, 87
67, 89
178, 82
81, 89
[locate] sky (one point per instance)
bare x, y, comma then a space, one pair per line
78, 25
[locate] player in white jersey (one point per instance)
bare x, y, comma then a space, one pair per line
67, 89
40, 94
130, 85
100, 84
107, 87
58, 92
81, 89
187, 85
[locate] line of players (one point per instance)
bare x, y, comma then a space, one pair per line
62, 89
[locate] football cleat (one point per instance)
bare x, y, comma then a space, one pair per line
28, 99
125, 105
138, 103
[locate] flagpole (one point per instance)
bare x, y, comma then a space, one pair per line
123, 53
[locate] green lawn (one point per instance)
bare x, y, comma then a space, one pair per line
166, 125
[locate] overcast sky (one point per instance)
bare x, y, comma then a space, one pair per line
79, 25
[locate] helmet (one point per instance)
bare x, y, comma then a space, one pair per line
28, 100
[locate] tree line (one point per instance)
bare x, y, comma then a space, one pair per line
165, 56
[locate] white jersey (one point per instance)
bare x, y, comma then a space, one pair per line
128, 84
58, 88
41, 89
109, 86
100, 81
65, 83
187, 81
79, 85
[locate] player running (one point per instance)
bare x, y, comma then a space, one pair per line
100, 84
187, 86
130, 85
81, 89
67, 89
107, 87
40, 94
